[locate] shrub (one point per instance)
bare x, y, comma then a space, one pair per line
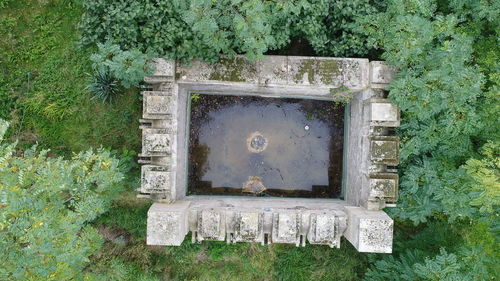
440, 91
46, 205
333, 27
129, 67
103, 85
205, 29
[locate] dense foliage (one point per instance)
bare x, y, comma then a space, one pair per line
447, 89
46, 207
129, 67
112, 65
205, 29
442, 93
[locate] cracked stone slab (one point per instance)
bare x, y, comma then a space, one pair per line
274, 70
167, 223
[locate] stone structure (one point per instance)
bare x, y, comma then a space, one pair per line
371, 154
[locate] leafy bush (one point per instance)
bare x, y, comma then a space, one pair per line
205, 29
46, 205
129, 67
467, 264
4, 3
333, 27
440, 92
447, 89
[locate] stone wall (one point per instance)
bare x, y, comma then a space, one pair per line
372, 152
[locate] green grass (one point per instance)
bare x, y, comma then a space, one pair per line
42, 86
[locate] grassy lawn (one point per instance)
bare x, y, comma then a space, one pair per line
43, 78
42, 93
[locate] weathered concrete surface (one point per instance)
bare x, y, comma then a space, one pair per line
326, 228
369, 231
167, 223
381, 74
281, 70
371, 154
383, 113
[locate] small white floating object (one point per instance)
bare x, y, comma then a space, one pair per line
306, 128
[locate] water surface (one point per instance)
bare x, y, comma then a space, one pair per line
247, 145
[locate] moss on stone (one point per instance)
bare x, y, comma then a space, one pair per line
235, 69
306, 66
326, 70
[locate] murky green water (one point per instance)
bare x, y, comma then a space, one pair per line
246, 145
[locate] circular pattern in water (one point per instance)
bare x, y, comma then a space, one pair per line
256, 143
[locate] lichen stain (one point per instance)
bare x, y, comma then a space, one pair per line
311, 69
236, 69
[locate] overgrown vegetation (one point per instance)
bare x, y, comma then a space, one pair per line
46, 207
206, 29
447, 88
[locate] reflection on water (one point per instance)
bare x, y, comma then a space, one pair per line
246, 145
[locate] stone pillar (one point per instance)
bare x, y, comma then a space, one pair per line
167, 223
369, 231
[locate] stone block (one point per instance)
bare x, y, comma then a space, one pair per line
384, 150
155, 142
155, 179
383, 113
235, 69
286, 227
369, 231
328, 72
249, 227
157, 105
164, 67
167, 223
382, 73
164, 71
325, 228
384, 186
211, 225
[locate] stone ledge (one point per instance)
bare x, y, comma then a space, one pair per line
320, 72
292, 226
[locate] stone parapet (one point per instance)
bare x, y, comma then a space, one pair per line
371, 154
238, 224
